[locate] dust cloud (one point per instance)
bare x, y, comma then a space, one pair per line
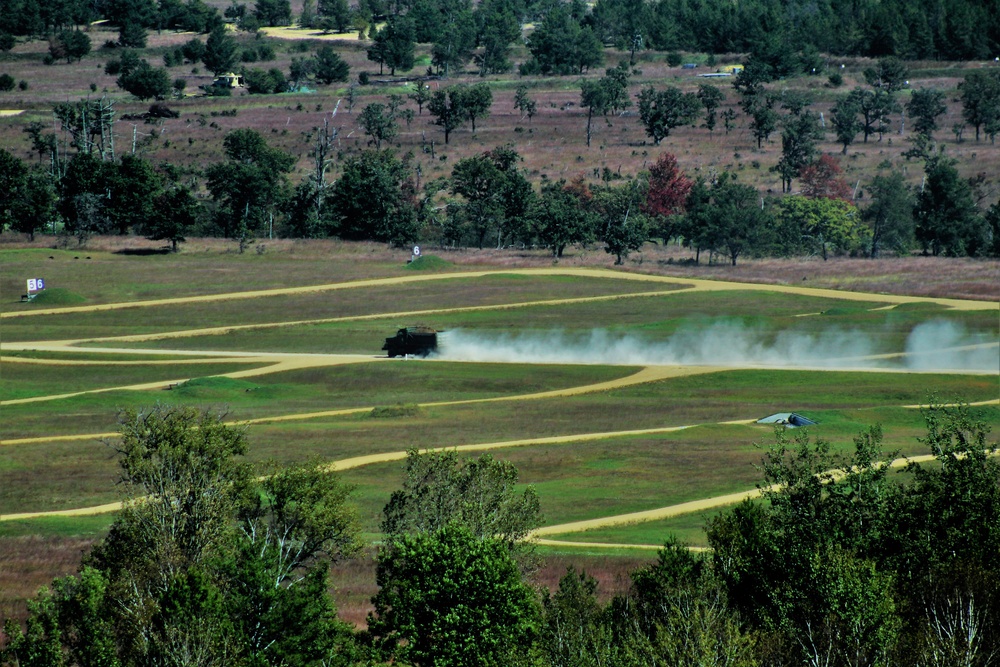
937, 345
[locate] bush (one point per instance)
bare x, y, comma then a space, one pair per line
6, 82
363, 78
674, 59
158, 110
836, 80
193, 50
22, 85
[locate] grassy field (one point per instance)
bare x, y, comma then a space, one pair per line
307, 379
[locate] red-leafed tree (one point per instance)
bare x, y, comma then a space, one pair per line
668, 190
822, 179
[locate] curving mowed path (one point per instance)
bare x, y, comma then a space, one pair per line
267, 362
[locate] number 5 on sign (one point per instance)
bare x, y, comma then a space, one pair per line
35, 284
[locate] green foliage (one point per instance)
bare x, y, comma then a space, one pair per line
726, 218
455, 41
890, 214
393, 45
250, 184
624, 227
844, 118
203, 559
221, 51
573, 631
710, 97
446, 107
27, 196
497, 195
980, 93
874, 107
527, 106
69, 44
379, 123
946, 217
477, 495
330, 67
146, 81
559, 218
662, 111
798, 145
448, 597
497, 28
925, 106
259, 82
888, 74
559, 45
842, 562
373, 199
273, 12
820, 224
176, 212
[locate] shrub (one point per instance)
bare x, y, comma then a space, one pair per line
6, 82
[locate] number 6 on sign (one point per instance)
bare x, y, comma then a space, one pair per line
416, 251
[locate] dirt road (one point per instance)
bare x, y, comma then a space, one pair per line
279, 362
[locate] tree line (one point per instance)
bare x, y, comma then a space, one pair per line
569, 35
844, 563
487, 201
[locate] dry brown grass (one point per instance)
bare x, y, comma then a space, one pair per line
355, 579
961, 278
28, 563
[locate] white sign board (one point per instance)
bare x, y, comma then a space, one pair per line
36, 284
416, 251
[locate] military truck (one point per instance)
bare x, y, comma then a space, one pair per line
415, 341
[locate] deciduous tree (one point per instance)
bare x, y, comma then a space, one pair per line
890, 215
374, 200
980, 93
666, 195
379, 123
559, 218
662, 111
449, 597
946, 217
926, 105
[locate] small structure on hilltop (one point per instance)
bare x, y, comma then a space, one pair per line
788, 419
230, 80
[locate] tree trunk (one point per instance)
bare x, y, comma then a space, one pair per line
590, 116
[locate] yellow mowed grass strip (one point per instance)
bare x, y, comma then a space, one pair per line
697, 284
687, 508
650, 374
220, 331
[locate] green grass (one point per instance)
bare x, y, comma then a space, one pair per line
400, 404
57, 296
58, 526
26, 380
345, 303
429, 263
